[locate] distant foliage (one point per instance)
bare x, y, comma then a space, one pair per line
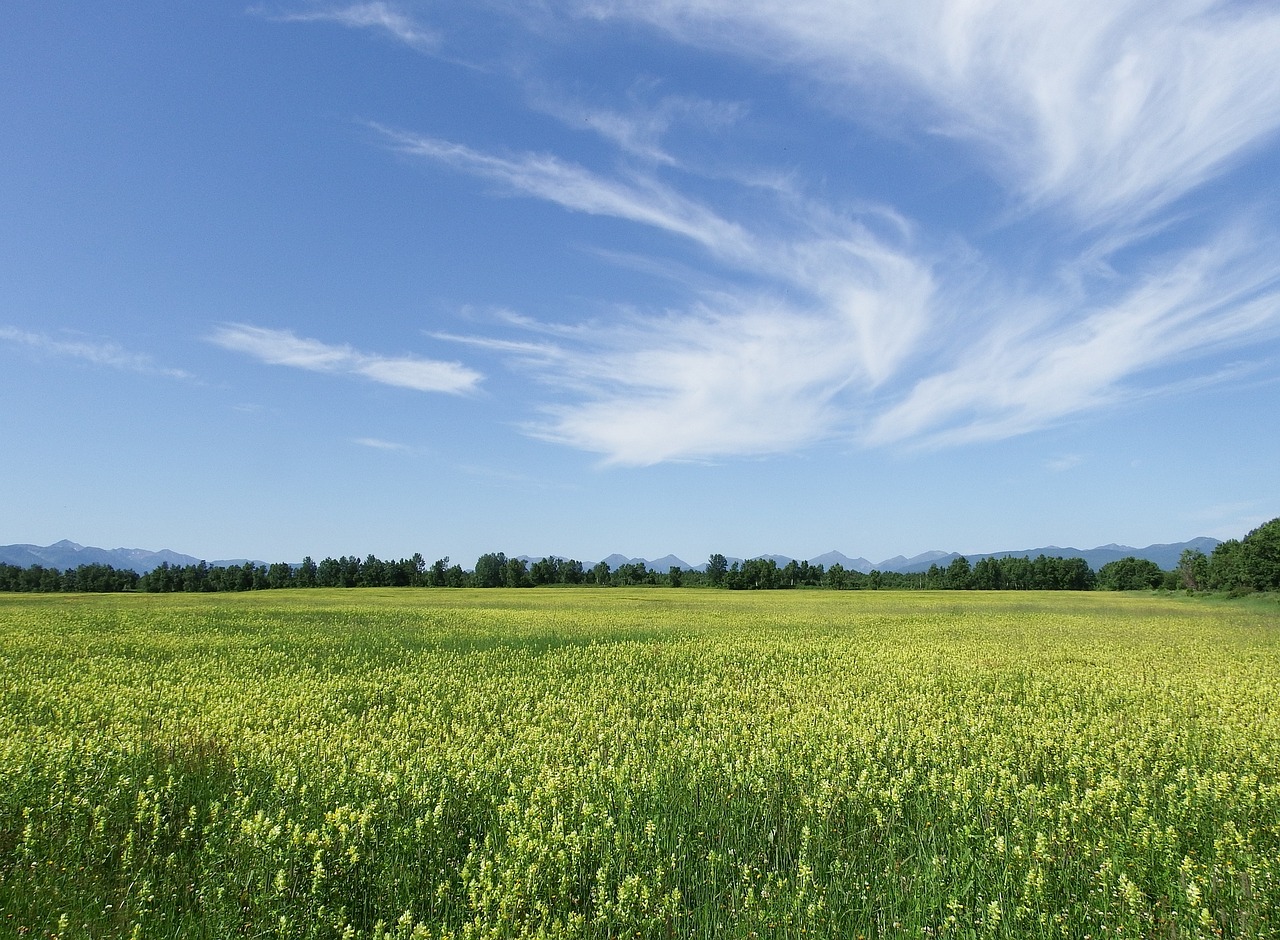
97, 579
1248, 564
1130, 574
1237, 566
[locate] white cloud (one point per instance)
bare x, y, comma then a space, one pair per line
815, 322
1113, 107
283, 348
1064, 463
377, 16
639, 130
643, 199
1029, 372
378, 444
762, 374
98, 352
744, 377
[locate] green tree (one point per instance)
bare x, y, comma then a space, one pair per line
329, 573
790, 574
717, 568
306, 574
1261, 550
1075, 575
491, 570
988, 575
1130, 574
280, 575
1193, 569
439, 576
373, 573
545, 571
958, 574
516, 574
416, 568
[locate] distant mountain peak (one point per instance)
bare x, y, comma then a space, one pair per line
833, 557
68, 554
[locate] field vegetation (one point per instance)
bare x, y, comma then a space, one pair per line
639, 763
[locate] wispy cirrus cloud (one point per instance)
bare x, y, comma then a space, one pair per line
284, 348
806, 320
97, 351
643, 199
378, 16
736, 379
1064, 463
639, 129
706, 383
741, 371
1031, 371
1110, 107
377, 443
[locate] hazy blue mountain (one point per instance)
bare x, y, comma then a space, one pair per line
666, 563
849, 564
919, 562
1164, 555
1167, 556
68, 554
661, 565
614, 560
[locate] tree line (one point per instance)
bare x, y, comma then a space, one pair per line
92, 579
1237, 566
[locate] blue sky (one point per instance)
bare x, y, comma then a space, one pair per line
608, 276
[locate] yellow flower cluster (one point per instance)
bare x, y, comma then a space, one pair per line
476, 765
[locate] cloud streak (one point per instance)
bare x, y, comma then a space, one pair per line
102, 353
377, 16
643, 199
806, 321
1028, 372
1108, 107
639, 130
284, 348
376, 443
741, 371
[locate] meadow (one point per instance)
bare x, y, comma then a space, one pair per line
652, 763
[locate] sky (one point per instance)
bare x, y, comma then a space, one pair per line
672, 276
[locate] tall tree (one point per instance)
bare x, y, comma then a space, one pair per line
717, 568
490, 570
1193, 569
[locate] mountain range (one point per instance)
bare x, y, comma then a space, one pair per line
66, 554
1164, 555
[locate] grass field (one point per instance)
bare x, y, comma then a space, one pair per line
646, 763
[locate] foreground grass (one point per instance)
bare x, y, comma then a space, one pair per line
592, 763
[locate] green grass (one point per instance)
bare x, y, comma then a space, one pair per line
651, 763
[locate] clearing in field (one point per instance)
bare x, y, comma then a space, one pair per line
647, 763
